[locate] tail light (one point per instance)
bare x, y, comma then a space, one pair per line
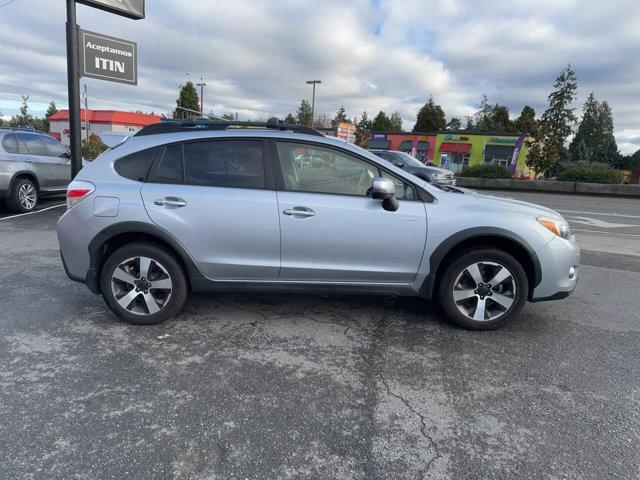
77, 190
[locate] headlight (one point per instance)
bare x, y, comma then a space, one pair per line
557, 227
439, 176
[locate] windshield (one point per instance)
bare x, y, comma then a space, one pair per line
410, 160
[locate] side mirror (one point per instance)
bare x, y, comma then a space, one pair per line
384, 189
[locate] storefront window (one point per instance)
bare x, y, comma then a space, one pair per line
496, 160
454, 161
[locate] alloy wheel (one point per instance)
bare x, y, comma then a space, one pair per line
27, 196
141, 285
484, 291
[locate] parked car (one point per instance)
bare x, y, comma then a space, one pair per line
408, 163
199, 206
32, 165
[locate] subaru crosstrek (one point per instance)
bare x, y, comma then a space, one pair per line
217, 206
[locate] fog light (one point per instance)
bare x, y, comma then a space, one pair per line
572, 273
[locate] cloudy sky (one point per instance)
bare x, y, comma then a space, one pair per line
369, 54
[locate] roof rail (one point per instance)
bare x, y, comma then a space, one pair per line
21, 129
195, 123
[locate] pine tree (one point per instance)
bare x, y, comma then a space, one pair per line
430, 118
381, 123
526, 122
304, 113
24, 118
560, 117
396, 122
290, 119
363, 130
187, 99
454, 124
594, 140
340, 117
51, 109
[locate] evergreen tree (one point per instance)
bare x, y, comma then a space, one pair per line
543, 153
396, 122
340, 117
290, 119
454, 124
501, 119
382, 123
526, 122
430, 118
484, 119
51, 109
304, 113
363, 130
24, 118
187, 98
560, 117
594, 138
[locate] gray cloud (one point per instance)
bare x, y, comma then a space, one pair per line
387, 55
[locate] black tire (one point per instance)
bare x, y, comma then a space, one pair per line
458, 269
164, 263
14, 203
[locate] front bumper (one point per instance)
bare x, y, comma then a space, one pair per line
560, 266
447, 182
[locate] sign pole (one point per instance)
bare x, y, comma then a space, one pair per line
73, 80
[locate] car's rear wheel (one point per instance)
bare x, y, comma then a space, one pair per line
483, 289
23, 197
143, 284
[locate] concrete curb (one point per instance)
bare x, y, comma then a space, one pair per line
551, 186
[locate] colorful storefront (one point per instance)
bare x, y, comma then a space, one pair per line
420, 145
456, 150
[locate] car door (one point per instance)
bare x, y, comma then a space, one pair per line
333, 231
60, 161
34, 152
217, 197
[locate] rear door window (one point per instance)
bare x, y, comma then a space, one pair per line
34, 145
171, 168
10, 143
136, 165
54, 148
225, 163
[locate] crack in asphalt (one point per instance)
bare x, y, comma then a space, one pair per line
423, 424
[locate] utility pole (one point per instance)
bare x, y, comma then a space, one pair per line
201, 85
86, 114
73, 80
313, 97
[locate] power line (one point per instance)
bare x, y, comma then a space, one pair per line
7, 3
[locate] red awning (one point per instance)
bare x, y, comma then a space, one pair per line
455, 147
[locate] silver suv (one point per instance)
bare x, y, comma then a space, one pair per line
216, 206
32, 165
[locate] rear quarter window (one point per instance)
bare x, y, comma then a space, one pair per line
10, 143
136, 165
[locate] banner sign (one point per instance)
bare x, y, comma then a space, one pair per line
346, 131
127, 8
516, 152
108, 58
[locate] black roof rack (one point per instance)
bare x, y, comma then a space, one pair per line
196, 123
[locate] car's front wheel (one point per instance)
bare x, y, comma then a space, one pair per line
143, 284
483, 289
23, 197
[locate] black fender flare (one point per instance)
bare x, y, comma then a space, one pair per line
98, 243
457, 238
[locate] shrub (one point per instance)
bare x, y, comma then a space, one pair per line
92, 147
486, 171
591, 173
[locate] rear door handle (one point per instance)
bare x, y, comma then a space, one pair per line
170, 202
299, 212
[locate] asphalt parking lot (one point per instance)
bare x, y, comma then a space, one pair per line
277, 386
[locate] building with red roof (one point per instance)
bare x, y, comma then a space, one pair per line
100, 121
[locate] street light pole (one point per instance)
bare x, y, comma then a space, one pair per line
73, 80
201, 85
313, 97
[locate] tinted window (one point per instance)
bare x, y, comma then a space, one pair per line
10, 143
310, 168
170, 169
135, 166
236, 163
33, 143
54, 148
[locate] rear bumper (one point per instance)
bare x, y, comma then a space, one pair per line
560, 266
74, 236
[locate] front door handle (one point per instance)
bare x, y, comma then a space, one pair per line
299, 212
170, 202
